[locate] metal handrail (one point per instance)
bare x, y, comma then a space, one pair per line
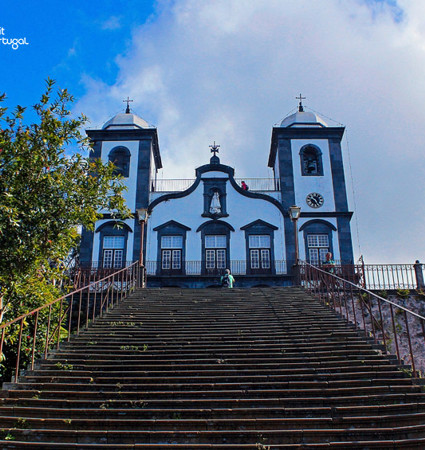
372, 313
100, 295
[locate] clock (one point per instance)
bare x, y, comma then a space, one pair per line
314, 200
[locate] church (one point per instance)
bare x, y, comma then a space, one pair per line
187, 232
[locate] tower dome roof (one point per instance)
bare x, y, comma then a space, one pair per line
303, 119
125, 121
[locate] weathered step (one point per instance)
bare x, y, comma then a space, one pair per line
216, 377
216, 369
265, 437
131, 392
213, 424
140, 409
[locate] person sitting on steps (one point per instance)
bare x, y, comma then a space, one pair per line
227, 280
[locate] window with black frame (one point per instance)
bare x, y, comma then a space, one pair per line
171, 254
215, 253
259, 253
113, 252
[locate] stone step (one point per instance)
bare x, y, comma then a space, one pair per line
36, 398
172, 368
142, 410
360, 444
42, 376
201, 424
132, 392
254, 437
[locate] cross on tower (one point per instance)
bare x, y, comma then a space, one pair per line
127, 110
300, 106
214, 148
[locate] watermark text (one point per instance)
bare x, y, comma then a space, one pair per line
15, 43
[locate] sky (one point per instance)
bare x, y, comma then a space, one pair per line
229, 70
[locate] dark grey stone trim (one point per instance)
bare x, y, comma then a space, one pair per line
171, 228
212, 185
116, 224
347, 214
112, 231
217, 168
129, 135
345, 242
96, 152
320, 172
215, 222
171, 223
216, 227
318, 227
301, 133
289, 242
111, 156
259, 223
86, 247
338, 178
174, 195
263, 228
316, 222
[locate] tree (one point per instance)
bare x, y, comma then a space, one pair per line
45, 195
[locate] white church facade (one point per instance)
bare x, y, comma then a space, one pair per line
192, 230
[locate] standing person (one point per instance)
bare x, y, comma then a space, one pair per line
244, 186
329, 264
227, 280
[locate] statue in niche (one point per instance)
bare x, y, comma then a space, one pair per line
215, 206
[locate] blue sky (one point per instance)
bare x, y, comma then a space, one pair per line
228, 70
65, 40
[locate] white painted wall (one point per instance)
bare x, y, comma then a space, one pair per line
242, 210
130, 182
304, 185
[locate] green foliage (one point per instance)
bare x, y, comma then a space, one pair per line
61, 366
363, 298
420, 294
403, 293
22, 423
45, 195
383, 293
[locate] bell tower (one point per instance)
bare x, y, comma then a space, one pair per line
132, 145
306, 158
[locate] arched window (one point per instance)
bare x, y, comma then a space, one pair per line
311, 161
113, 244
318, 240
259, 236
120, 156
171, 248
215, 236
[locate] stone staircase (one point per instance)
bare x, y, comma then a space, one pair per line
180, 369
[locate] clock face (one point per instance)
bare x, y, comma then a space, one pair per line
314, 200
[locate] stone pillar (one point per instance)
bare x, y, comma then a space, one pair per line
419, 275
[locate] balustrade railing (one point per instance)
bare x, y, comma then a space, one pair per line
382, 276
400, 331
179, 184
237, 267
32, 335
388, 276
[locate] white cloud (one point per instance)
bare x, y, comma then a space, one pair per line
227, 70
